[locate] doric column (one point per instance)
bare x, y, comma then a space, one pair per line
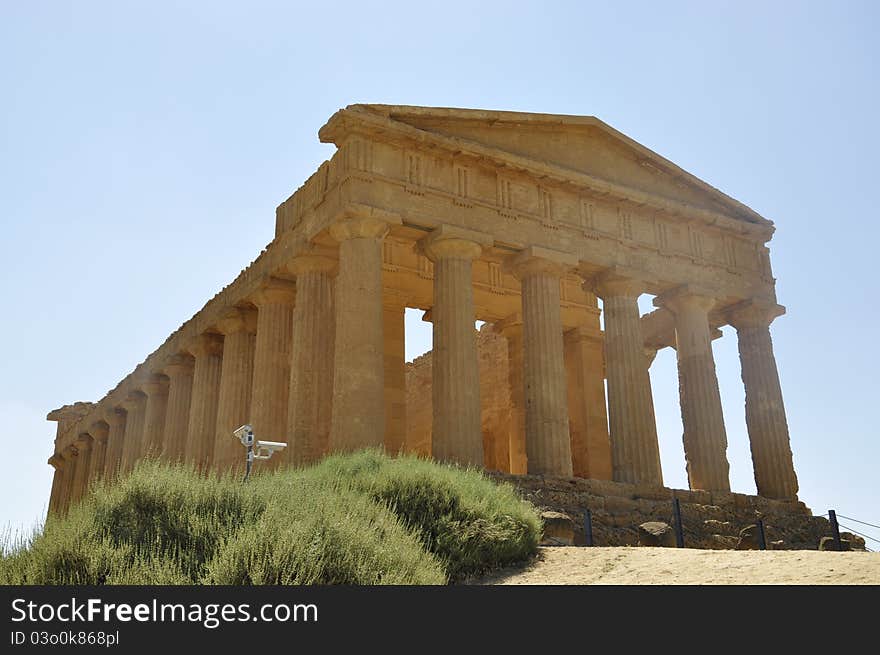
56, 461
765, 411
635, 452
705, 439
455, 387
590, 445
359, 373
393, 323
208, 352
80, 484
179, 370
271, 381
116, 419
512, 330
135, 406
548, 442
100, 432
156, 389
311, 371
67, 491
236, 386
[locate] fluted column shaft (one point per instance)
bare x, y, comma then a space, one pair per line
394, 313
455, 388
705, 437
208, 352
116, 419
548, 442
67, 487
635, 451
236, 387
359, 374
80, 483
180, 381
156, 389
100, 432
135, 406
765, 411
310, 407
590, 445
271, 380
512, 330
57, 463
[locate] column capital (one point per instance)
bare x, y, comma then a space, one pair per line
180, 363
360, 227
686, 297
115, 416
275, 291
56, 461
83, 441
100, 430
452, 242
239, 319
156, 384
616, 282
534, 260
206, 344
70, 453
132, 400
753, 313
312, 262
509, 326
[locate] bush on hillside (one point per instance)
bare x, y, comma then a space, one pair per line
354, 519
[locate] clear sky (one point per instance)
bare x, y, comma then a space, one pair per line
145, 146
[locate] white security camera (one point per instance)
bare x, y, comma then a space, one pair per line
264, 449
245, 434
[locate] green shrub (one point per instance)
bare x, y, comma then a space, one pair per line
362, 518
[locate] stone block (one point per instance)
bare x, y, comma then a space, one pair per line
558, 529
749, 538
828, 544
618, 505
656, 533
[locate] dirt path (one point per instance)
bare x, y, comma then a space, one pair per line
627, 565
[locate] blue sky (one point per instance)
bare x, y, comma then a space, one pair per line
144, 147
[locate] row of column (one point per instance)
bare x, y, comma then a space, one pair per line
312, 373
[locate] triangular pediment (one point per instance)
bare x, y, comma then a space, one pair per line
583, 144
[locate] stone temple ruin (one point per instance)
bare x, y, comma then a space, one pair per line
519, 220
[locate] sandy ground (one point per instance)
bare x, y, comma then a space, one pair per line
628, 565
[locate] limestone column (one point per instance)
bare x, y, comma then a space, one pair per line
56, 461
310, 405
208, 352
512, 330
180, 381
100, 432
271, 383
236, 386
393, 322
358, 419
455, 388
590, 445
765, 411
635, 452
67, 492
548, 442
116, 419
156, 389
135, 406
80, 484
705, 438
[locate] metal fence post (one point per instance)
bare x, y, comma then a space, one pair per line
762, 538
588, 526
835, 529
679, 531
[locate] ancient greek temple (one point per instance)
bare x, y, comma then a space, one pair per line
522, 221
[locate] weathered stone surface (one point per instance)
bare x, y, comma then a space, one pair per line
855, 541
521, 219
559, 529
656, 533
749, 538
829, 543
